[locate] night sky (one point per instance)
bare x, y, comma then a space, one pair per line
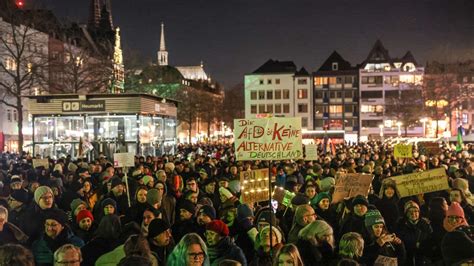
234, 37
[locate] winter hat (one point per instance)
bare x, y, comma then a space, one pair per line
225, 192
146, 179
219, 227
20, 195
265, 215
115, 181
75, 203
75, 186
327, 183
319, 197
188, 206
234, 186
455, 210
410, 204
157, 226
299, 199
169, 166
244, 211
359, 199
275, 230
463, 184
317, 228
72, 167
154, 196
84, 214
373, 217
56, 214
208, 211
15, 179
207, 181
40, 192
108, 201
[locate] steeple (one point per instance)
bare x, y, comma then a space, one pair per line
94, 14
106, 22
162, 53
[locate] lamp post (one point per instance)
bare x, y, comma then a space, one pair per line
399, 124
424, 120
381, 131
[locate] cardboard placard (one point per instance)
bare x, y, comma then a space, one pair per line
254, 185
385, 261
283, 196
403, 151
429, 148
351, 185
276, 138
421, 182
311, 152
126, 159
41, 162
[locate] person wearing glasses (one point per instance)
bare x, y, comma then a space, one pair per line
68, 254
190, 251
304, 215
56, 233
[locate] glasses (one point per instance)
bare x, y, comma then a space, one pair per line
455, 218
51, 225
196, 256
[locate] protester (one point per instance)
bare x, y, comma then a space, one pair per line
15, 254
288, 255
220, 245
190, 250
316, 243
68, 254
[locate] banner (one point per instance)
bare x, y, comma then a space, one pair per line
276, 138
41, 162
254, 185
311, 152
351, 185
421, 182
126, 159
429, 148
403, 151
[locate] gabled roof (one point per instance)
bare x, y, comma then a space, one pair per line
409, 58
302, 72
378, 54
335, 57
275, 66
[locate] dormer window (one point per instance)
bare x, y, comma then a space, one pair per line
335, 66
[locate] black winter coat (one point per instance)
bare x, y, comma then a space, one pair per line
417, 240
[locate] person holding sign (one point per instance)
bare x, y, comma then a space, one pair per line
380, 243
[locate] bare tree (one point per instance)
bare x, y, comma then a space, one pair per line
234, 104
406, 107
190, 107
23, 54
211, 109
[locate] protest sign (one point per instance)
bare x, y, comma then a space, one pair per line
41, 162
385, 261
283, 196
126, 159
403, 151
351, 185
254, 185
311, 152
429, 148
276, 138
421, 182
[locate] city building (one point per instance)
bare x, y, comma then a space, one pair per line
336, 99
382, 81
277, 88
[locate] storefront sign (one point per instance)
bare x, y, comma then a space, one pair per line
311, 152
403, 151
254, 185
126, 159
84, 106
421, 182
268, 138
351, 185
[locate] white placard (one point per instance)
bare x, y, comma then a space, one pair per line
126, 159
311, 151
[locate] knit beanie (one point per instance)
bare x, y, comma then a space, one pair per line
75, 203
115, 181
72, 167
20, 195
373, 217
265, 216
275, 230
108, 201
225, 193
207, 181
208, 211
327, 183
359, 199
410, 204
188, 206
56, 214
243, 211
157, 226
219, 227
234, 186
146, 179
299, 199
318, 227
84, 214
76, 186
40, 192
320, 197
455, 210
154, 196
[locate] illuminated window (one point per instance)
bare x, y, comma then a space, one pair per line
320, 81
335, 109
332, 80
269, 95
302, 108
253, 95
371, 108
286, 108
277, 94
302, 94
10, 64
253, 109
286, 94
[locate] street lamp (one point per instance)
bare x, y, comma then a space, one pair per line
424, 120
381, 131
399, 124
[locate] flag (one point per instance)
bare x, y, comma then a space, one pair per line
459, 145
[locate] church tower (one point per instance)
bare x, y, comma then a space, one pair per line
94, 14
162, 53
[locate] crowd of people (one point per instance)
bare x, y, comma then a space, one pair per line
186, 209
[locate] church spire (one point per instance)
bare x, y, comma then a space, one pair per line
162, 53
94, 14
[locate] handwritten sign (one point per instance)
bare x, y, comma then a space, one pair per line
126, 159
311, 152
429, 148
403, 151
276, 138
41, 162
385, 261
351, 185
254, 185
421, 182
283, 196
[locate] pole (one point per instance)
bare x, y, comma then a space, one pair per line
125, 169
270, 204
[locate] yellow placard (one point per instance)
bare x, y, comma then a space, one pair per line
421, 182
351, 185
275, 138
254, 185
41, 162
403, 151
